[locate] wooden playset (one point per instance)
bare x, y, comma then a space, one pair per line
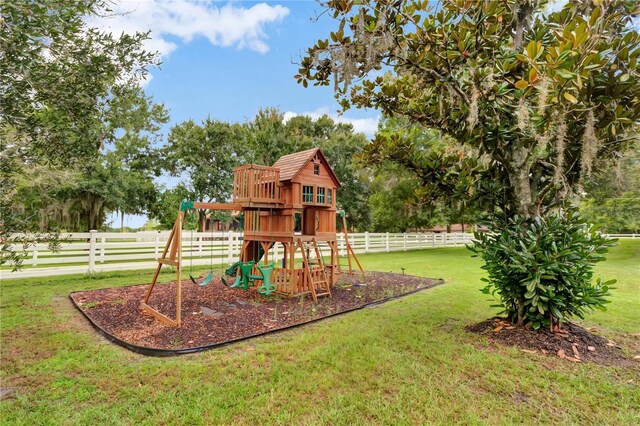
292, 203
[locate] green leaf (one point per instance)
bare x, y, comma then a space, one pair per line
565, 74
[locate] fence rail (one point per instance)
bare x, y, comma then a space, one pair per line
90, 252
114, 251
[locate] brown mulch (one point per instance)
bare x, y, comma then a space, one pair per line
573, 343
215, 314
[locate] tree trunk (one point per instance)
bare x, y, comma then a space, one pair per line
522, 191
520, 313
122, 222
202, 220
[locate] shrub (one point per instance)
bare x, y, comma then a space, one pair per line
541, 269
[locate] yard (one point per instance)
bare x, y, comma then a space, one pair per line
408, 361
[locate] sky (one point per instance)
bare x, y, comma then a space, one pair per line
227, 59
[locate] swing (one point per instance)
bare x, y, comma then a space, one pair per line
209, 277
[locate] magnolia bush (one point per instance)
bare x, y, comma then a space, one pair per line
541, 269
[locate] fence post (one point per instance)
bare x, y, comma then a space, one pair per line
156, 240
92, 251
387, 241
366, 242
230, 247
404, 241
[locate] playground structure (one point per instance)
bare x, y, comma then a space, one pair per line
292, 203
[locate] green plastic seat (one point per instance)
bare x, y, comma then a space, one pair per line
245, 273
266, 288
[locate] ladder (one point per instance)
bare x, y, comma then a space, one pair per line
319, 287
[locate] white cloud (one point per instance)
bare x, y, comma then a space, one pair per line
226, 26
368, 125
554, 6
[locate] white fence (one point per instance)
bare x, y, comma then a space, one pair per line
93, 251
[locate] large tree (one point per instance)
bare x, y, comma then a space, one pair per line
204, 157
57, 77
612, 198
118, 178
444, 173
393, 203
544, 98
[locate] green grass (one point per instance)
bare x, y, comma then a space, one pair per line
405, 362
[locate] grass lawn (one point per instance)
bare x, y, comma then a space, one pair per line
409, 361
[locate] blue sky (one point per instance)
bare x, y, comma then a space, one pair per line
228, 59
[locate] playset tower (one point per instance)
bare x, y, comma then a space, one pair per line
292, 203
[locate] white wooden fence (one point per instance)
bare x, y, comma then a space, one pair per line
94, 251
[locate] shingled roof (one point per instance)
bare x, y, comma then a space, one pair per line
290, 165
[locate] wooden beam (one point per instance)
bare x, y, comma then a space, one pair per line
159, 267
169, 262
158, 315
217, 206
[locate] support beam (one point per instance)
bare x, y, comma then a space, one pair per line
218, 206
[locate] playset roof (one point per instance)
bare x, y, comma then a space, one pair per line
290, 165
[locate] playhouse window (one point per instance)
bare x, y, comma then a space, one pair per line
329, 196
316, 169
321, 195
307, 194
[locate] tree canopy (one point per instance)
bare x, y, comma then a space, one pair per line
60, 80
545, 98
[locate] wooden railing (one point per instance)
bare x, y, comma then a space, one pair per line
256, 184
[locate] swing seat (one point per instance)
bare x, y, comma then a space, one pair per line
246, 279
236, 282
207, 279
266, 288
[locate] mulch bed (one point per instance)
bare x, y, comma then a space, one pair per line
216, 314
573, 343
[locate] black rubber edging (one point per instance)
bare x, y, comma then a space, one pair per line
174, 352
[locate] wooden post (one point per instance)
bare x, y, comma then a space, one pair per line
230, 247
170, 245
346, 241
333, 263
292, 270
92, 251
387, 241
366, 242
404, 242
